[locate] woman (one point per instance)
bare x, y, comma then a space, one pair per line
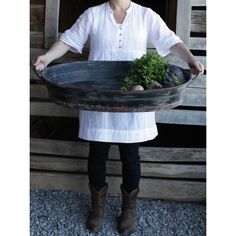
117, 30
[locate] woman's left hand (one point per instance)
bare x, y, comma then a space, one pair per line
181, 51
196, 67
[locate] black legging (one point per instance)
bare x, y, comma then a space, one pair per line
129, 156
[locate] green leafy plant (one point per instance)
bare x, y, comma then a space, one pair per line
150, 67
176, 80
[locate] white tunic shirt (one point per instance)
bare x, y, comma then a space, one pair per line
110, 41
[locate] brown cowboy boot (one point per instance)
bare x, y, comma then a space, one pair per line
98, 201
126, 222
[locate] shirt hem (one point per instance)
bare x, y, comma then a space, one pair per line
118, 136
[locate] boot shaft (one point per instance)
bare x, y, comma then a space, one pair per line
129, 199
98, 198
126, 223
96, 215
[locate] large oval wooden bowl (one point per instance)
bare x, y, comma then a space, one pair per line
95, 85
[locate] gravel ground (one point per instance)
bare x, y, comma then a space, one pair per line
63, 213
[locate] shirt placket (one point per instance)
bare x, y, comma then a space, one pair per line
120, 37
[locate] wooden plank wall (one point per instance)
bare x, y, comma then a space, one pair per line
164, 175
167, 172
37, 23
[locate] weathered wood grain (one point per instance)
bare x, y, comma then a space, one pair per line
183, 23
191, 20
51, 22
198, 3
81, 149
194, 97
200, 82
36, 39
198, 21
39, 2
51, 109
197, 43
149, 188
37, 13
49, 163
186, 117
39, 91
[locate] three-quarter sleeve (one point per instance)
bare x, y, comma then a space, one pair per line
160, 35
78, 34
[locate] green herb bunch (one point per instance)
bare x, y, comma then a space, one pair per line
150, 67
176, 80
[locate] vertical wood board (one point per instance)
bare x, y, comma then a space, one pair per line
183, 20
51, 22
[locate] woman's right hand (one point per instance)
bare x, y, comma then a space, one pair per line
57, 50
41, 62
